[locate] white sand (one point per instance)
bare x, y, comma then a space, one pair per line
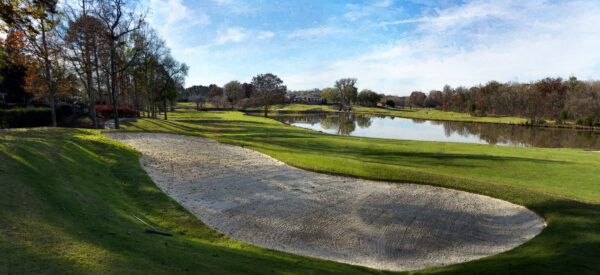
255, 198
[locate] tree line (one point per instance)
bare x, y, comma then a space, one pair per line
549, 98
101, 51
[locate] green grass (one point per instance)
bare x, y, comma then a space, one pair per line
66, 203
65, 191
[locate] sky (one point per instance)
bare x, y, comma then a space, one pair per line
391, 47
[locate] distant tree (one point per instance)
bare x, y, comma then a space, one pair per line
390, 103
248, 88
348, 91
417, 99
331, 95
234, 91
173, 78
368, 97
268, 90
199, 100
435, 98
215, 91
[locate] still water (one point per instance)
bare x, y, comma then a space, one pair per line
430, 130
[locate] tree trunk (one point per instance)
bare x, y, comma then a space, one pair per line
266, 109
53, 111
165, 108
48, 69
91, 98
113, 83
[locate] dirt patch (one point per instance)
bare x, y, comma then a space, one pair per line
255, 198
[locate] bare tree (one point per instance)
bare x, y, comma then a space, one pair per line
173, 78
234, 91
268, 90
348, 91
119, 21
81, 37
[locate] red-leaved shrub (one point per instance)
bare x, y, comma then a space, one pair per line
107, 111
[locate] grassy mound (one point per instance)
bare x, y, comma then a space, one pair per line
66, 204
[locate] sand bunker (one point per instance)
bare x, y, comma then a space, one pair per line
255, 198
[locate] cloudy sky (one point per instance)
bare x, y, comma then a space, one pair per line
393, 47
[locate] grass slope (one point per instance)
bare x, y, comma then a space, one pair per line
65, 206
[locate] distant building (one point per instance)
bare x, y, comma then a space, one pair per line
308, 99
289, 97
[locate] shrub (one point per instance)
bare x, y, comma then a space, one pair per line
25, 117
588, 121
107, 111
390, 103
579, 121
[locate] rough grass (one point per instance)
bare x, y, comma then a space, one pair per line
67, 194
66, 204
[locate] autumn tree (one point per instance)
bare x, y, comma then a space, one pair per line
417, 99
268, 90
47, 77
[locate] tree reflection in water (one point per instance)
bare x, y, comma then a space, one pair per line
502, 134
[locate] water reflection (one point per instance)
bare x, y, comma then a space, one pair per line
428, 130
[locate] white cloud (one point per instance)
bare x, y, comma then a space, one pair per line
384, 3
176, 12
357, 11
265, 35
172, 19
310, 33
236, 34
476, 43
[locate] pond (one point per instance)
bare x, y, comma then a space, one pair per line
447, 131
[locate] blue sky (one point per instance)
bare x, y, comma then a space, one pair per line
393, 47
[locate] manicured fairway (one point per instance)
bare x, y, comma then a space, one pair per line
65, 191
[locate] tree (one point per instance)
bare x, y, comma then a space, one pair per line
348, 91
173, 75
14, 13
234, 91
331, 95
44, 77
268, 90
417, 99
368, 97
435, 98
199, 100
119, 20
390, 103
13, 67
82, 33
